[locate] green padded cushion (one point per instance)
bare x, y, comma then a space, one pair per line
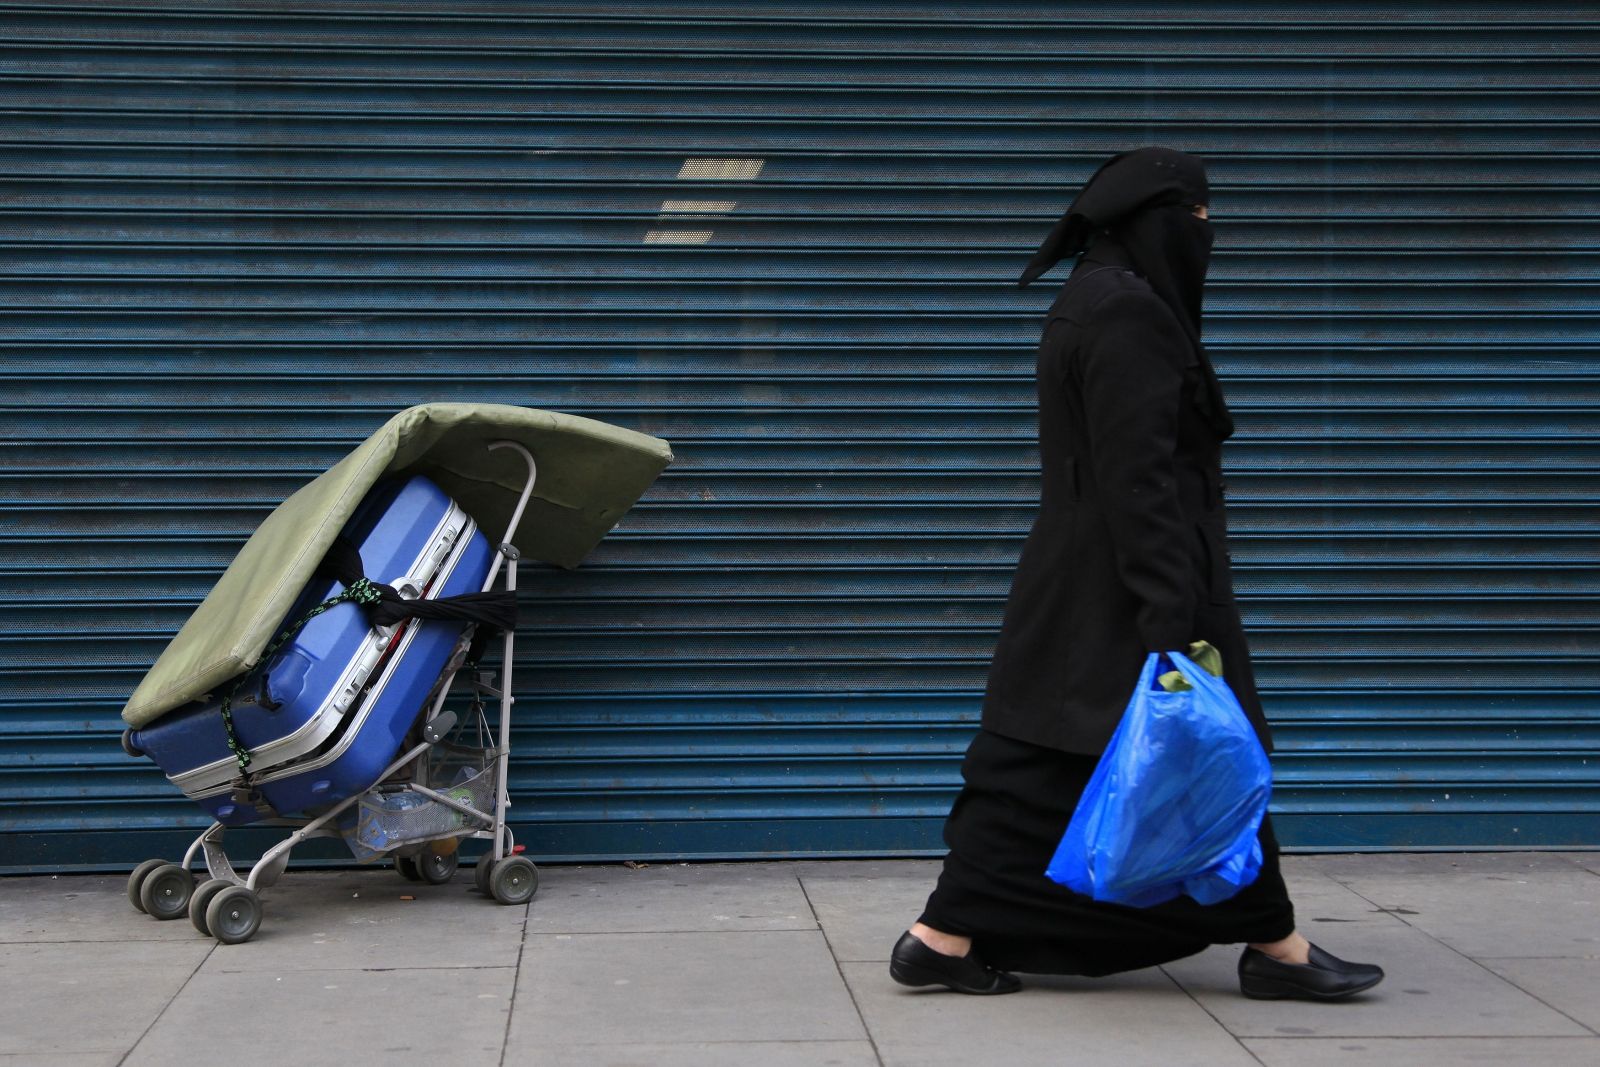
589, 475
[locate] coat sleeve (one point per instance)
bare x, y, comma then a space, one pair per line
1132, 362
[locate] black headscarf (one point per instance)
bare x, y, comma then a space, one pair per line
1143, 201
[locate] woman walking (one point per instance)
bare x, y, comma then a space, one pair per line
1128, 556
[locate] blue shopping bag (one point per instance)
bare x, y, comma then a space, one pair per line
1176, 801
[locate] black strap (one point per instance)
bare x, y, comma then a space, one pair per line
494, 609
384, 606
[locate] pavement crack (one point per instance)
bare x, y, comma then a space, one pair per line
839, 968
516, 981
168, 1005
1237, 1040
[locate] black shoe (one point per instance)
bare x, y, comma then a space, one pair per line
915, 964
1326, 977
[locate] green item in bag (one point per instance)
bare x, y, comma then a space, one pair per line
1204, 656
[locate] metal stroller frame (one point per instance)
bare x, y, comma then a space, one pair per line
228, 907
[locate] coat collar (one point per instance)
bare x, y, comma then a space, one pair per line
1107, 253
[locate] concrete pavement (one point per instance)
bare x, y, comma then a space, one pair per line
1493, 958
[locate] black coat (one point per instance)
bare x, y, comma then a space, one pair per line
1128, 554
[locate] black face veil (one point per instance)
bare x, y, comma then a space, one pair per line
1144, 202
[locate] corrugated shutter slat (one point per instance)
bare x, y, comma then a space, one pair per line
784, 236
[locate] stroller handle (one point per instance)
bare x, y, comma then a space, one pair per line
516, 514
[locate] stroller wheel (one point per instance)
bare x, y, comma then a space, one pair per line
514, 880
136, 880
165, 891
202, 900
407, 866
436, 868
234, 915
481, 871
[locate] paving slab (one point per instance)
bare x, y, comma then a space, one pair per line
78, 997
1325, 904
1431, 990
713, 1054
454, 1016
1488, 906
666, 898
61, 1059
672, 988
1589, 861
1341, 865
911, 869
320, 920
77, 908
1330, 914
1426, 1052
1568, 985
864, 909
1131, 1020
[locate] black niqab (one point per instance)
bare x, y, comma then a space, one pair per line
1143, 201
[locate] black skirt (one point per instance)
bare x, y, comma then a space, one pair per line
1002, 832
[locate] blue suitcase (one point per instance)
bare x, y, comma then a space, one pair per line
326, 715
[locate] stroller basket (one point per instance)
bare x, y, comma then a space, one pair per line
387, 819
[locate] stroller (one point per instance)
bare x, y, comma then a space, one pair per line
340, 729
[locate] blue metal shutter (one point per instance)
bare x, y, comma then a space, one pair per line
782, 235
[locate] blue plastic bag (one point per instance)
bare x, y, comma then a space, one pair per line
1174, 805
